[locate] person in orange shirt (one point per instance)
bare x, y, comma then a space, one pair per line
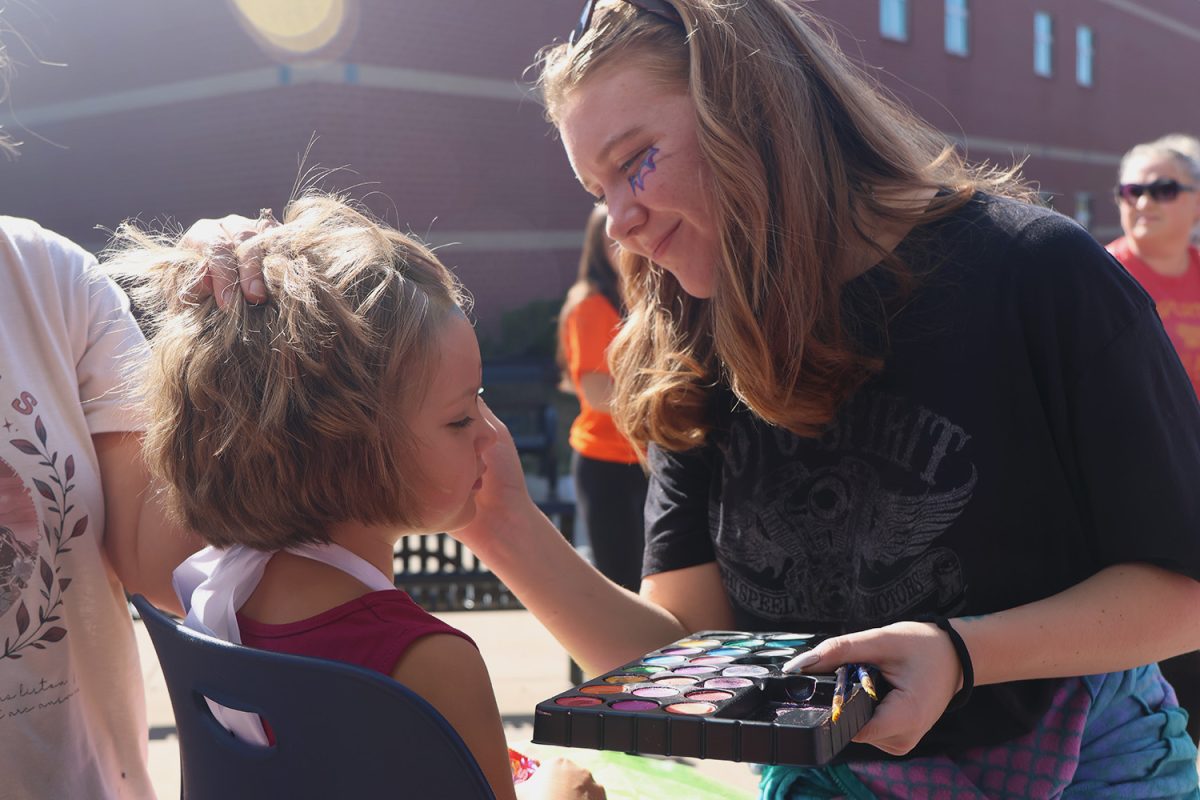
1159, 199
610, 486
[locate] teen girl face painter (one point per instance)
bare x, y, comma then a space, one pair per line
632, 143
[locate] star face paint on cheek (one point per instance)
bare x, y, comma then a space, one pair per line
638, 180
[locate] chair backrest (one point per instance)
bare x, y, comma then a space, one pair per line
340, 730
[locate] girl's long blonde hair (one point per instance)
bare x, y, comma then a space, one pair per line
807, 157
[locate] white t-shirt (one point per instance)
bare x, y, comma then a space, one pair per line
72, 708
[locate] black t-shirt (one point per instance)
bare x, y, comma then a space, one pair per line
1031, 425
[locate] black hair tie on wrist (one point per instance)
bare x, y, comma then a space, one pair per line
964, 659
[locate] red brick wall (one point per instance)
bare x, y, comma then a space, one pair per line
461, 167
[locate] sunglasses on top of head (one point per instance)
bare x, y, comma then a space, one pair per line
1163, 190
659, 8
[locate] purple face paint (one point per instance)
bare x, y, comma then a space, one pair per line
634, 705
637, 181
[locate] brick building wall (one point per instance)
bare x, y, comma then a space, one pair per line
181, 109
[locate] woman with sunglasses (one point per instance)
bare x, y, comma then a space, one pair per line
1160, 208
1159, 200
875, 385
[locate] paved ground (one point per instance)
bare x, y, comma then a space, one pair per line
526, 665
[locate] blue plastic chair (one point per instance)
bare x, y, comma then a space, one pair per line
341, 731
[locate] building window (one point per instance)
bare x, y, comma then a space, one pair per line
893, 19
1043, 44
957, 42
1083, 209
1084, 55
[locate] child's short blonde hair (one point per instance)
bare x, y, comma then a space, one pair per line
268, 423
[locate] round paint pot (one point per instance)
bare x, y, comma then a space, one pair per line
576, 701
644, 669
780, 636
691, 708
681, 651
665, 661
709, 695
794, 640
625, 678
633, 705
601, 688
712, 660
695, 670
729, 651
727, 683
653, 690
698, 643
676, 680
745, 643
746, 671
767, 657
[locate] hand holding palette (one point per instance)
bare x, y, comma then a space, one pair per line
715, 694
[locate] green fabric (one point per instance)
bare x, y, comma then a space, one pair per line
628, 777
812, 783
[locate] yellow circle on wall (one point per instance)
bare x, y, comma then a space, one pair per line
297, 26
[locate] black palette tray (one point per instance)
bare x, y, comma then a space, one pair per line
713, 694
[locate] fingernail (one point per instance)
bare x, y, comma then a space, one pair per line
801, 661
258, 289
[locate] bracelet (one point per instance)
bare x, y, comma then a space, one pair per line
964, 659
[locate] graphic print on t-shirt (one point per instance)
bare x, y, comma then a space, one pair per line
844, 530
31, 588
18, 537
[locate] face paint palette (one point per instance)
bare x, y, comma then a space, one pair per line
714, 694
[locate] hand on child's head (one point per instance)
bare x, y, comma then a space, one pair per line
232, 260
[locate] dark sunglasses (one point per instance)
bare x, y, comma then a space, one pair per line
659, 8
1163, 190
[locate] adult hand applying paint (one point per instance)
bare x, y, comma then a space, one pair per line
874, 382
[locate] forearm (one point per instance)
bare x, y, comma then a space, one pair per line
599, 623
1122, 617
141, 543
597, 389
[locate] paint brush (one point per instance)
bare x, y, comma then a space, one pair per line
864, 677
840, 686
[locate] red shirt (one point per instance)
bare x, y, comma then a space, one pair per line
1177, 299
372, 631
